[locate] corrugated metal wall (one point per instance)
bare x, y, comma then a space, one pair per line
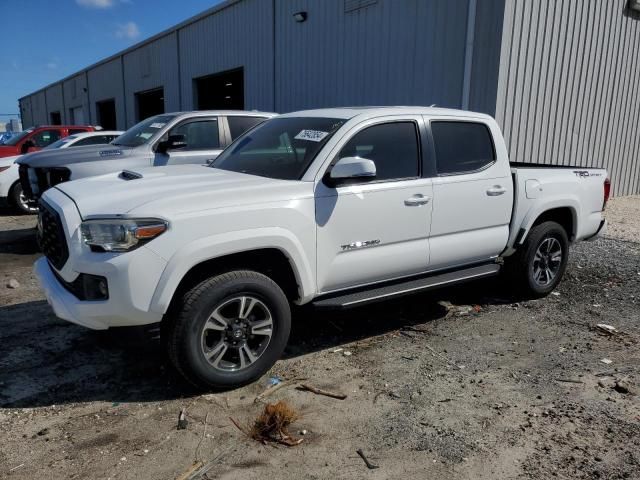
54, 101
105, 83
76, 96
238, 36
387, 53
485, 64
567, 90
151, 66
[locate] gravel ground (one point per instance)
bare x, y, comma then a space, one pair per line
461, 383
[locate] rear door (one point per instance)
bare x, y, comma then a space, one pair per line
473, 194
376, 231
203, 136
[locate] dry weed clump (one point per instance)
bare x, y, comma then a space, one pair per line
271, 425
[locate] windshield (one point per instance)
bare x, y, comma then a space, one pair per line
13, 141
141, 133
280, 148
60, 142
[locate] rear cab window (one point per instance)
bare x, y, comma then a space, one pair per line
462, 146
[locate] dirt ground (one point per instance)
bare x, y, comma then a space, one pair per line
484, 387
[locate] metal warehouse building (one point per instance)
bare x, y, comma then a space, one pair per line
560, 76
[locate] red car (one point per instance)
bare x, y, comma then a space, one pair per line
36, 138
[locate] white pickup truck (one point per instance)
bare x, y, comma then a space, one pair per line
338, 207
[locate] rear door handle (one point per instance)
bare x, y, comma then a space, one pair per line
417, 200
496, 190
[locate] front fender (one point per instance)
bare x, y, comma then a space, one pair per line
220, 245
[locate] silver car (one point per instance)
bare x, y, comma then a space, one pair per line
166, 139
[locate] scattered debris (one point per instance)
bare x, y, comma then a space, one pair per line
272, 389
369, 465
442, 357
555, 294
337, 350
15, 468
182, 420
608, 329
275, 380
303, 432
43, 432
188, 473
606, 361
204, 432
13, 284
318, 391
347, 353
271, 425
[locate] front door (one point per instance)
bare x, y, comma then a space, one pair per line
378, 230
203, 138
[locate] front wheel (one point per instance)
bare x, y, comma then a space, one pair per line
228, 330
20, 200
539, 264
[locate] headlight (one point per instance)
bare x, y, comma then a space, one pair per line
120, 235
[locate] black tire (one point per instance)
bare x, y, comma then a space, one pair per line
186, 336
524, 267
18, 201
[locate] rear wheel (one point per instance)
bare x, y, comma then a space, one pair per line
539, 264
228, 330
19, 200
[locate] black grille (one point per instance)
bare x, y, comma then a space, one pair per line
51, 236
23, 172
46, 178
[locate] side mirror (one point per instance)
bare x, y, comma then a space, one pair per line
172, 143
351, 170
26, 146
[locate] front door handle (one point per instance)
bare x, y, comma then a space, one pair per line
496, 190
417, 200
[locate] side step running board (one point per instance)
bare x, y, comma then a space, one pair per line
411, 286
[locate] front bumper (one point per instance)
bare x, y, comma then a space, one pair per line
132, 277
117, 311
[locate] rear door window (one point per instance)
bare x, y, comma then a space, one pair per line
239, 125
462, 147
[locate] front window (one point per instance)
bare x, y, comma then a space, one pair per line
142, 132
13, 141
280, 148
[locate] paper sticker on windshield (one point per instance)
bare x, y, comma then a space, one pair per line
157, 125
311, 135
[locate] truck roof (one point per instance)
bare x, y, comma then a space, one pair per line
198, 113
351, 112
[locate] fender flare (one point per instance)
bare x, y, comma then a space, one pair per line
221, 245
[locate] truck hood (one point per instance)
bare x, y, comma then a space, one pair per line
171, 190
59, 157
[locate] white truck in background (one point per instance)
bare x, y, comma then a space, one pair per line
336, 207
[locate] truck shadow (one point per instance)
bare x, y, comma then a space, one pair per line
46, 361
